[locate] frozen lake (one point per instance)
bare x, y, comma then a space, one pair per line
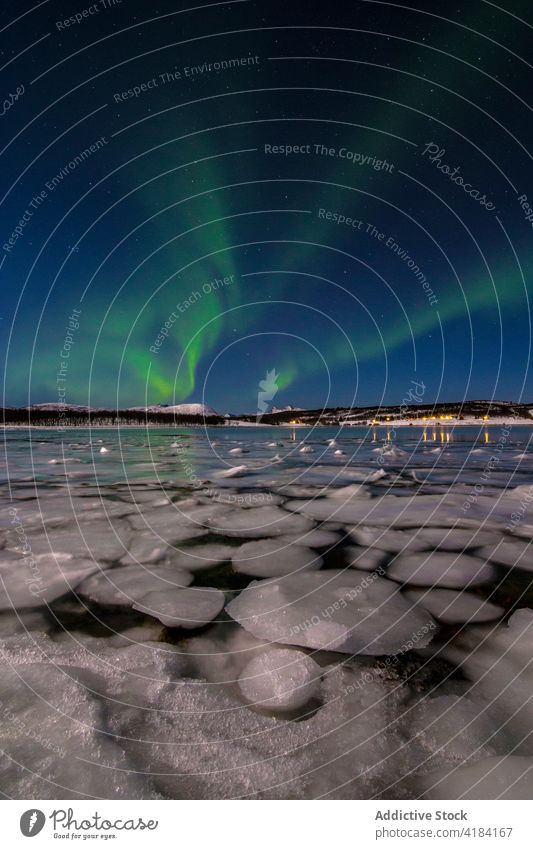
267, 613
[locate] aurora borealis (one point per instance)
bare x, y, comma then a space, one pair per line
231, 180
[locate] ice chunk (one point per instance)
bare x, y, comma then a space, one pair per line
199, 557
242, 498
391, 452
178, 519
510, 553
37, 580
126, 584
280, 680
440, 569
345, 611
388, 539
191, 607
455, 607
273, 557
260, 522
316, 538
354, 490
232, 472
389, 510
147, 546
98, 539
454, 539
367, 559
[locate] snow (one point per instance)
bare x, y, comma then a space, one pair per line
55, 735
497, 660
280, 680
450, 729
508, 777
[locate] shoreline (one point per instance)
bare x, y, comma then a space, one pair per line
392, 425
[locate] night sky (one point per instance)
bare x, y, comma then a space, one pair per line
194, 195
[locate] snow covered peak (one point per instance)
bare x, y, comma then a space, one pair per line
181, 409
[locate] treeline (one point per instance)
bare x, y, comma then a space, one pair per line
101, 418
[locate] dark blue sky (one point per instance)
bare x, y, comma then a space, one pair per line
335, 191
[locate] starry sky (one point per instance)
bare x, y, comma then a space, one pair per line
196, 194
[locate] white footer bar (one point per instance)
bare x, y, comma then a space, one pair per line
268, 824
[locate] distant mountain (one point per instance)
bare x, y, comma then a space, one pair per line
289, 408
179, 409
55, 405
172, 409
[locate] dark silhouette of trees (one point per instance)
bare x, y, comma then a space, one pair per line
101, 418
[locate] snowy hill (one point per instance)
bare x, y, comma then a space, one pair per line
172, 409
54, 405
179, 409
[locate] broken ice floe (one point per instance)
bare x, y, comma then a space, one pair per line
189, 607
339, 611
